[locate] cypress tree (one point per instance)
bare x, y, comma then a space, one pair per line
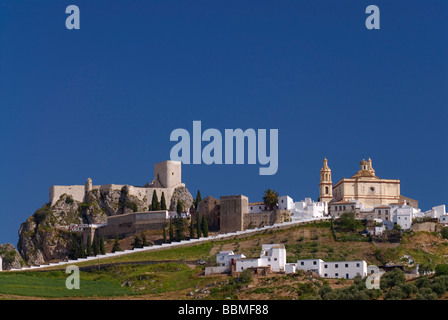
96, 246
164, 235
180, 207
83, 251
155, 205
191, 229
137, 243
144, 241
171, 231
89, 246
163, 202
116, 246
198, 225
102, 246
197, 200
204, 226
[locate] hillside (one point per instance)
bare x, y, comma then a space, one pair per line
174, 273
43, 236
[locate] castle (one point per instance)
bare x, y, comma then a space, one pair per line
167, 177
364, 187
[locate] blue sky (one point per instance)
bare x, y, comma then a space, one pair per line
101, 101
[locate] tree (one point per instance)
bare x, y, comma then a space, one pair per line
83, 250
179, 225
197, 200
144, 240
348, 221
155, 204
163, 202
246, 276
96, 246
180, 207
102, 246
441, 269
137, 243
204, 226
116, 246
444, 233
171, 231
191, 229
89, 246
270, 198
198, 226
393, 278
164, 234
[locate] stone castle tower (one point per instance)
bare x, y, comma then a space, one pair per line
325, 185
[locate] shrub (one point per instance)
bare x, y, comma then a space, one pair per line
393, 278
441, 269
246, 276
396, 293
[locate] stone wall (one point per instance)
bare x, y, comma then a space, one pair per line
266, 218
210, 208
127, 225
232, 210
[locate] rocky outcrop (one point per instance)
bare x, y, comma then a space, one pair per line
181, 194
44, 236
11, 258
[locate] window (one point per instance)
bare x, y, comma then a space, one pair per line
357, 265
336, 266
353, 207
372, 189
302, 263
344, 207
241, 268
325, 275
275, 259
314, 262
336, 274
326, 190
326, 266
346, 265
379, 211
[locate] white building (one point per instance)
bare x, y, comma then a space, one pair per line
225, 258
256, 207
1, 264
285, 203
335, 269
443, 219
302, 209
272, 255
436, 212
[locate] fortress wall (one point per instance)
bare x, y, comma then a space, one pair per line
76, 192
129, 224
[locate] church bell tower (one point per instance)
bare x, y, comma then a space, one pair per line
325, 185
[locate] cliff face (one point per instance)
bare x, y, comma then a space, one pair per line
43, 237
11, 258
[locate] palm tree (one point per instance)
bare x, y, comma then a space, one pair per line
270, 198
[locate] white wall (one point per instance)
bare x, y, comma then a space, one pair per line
337, 269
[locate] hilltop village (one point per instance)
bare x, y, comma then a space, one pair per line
78, 219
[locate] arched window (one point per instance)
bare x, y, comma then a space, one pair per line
326, 190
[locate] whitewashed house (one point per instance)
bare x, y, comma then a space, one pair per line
436, 212
272, 255
224, 258
1, 264
334, 269
443, 219
302, 209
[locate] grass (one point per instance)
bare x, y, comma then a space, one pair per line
52, 285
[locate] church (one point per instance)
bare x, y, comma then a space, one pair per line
364, 186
